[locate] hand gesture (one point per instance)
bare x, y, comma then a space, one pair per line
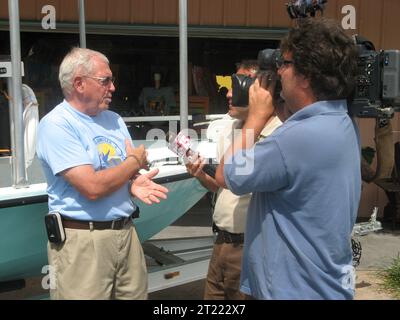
195, 168
139, 154
148, 191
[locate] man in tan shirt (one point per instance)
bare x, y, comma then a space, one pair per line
229, 217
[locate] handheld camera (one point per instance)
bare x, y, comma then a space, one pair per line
267, 74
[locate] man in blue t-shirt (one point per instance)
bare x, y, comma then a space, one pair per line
305, 177
92, 169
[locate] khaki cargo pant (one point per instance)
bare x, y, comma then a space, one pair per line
223, 277
98, 264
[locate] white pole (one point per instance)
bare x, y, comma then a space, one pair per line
82, 25
183, 64
15, 89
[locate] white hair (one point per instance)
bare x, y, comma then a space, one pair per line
78, 61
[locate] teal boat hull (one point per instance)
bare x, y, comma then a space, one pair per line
23, 239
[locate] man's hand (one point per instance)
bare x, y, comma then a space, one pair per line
195, 168
146, 190
139, 154
260, 102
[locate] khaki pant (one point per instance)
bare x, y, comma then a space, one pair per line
98, 264
223, 278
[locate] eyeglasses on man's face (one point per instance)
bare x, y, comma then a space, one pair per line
104, 81
280, 62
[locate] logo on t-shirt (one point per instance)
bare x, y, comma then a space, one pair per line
110, 154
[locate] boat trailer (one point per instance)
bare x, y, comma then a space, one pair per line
177, 261
170, 262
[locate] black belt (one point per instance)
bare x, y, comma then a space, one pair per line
227, 237
117, 224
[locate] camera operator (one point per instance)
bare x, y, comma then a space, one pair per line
306, 180
229, 216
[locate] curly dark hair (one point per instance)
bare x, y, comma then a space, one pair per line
325, 55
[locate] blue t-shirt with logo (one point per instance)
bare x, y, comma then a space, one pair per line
306, 184
68, 138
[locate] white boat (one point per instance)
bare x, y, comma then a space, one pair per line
23, 236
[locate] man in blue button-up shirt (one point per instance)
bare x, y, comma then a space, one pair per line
305, 177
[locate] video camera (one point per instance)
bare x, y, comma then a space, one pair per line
304, 8
268, 58
377, 92
267, 71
